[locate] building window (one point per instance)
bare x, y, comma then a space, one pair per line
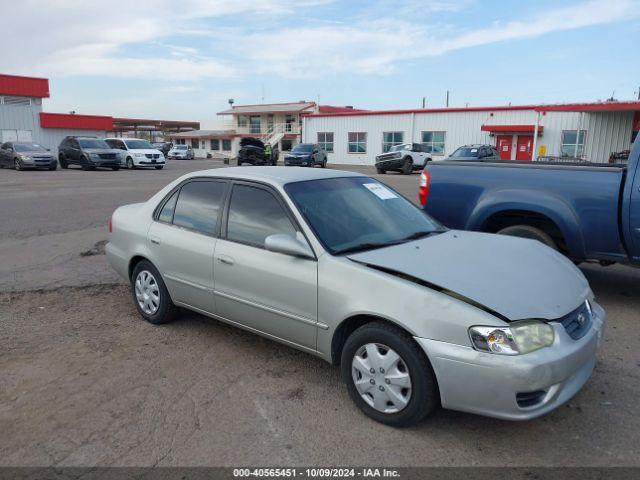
254, 123
357, 142
243, 120
434, 141
215, 144
195, 143
288, 123
226, 144
179, 141
325, 140
572, 146
270, 123
390, 139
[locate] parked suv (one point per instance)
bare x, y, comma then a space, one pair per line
89, 153
404, 158
20, 155
184, 152
306, 155
137, 152
475, 153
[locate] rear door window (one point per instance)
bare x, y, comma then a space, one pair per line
254, 214
198, 206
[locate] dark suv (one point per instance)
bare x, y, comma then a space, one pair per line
89, 153
306, 155
475, 153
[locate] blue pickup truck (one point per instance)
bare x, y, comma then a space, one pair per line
586, 211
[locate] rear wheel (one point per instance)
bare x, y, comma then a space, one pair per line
407, 166
532, 233
388, 376
150, 294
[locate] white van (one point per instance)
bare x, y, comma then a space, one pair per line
139, 152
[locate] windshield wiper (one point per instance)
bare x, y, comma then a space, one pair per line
421, 234
365, 246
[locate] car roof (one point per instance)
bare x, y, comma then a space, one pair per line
275, 175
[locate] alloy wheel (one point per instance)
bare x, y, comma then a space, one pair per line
381, 377
147, 292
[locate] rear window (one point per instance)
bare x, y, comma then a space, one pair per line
198, 206
466, 152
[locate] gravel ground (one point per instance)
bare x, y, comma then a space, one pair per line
84, 381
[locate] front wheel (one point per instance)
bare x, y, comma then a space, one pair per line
532, 233
63, 162
150, 294
381, 171
17, 164
130, 164
407, 166
388, 376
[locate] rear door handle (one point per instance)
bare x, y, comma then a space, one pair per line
226, 260
154, 240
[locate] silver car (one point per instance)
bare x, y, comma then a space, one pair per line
339, 265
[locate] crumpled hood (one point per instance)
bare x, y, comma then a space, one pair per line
515, 277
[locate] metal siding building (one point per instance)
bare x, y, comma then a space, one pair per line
608, 127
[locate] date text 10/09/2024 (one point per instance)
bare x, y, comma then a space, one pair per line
315, 472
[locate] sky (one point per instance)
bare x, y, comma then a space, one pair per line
183, 60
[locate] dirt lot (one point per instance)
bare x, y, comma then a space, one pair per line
84, 381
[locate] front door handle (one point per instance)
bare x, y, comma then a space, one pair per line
154, 240
226, 259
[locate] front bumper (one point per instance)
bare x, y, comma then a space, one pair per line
487, 384
389, 164
39, 163
297, 161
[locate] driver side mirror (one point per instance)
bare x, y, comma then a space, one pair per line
288, 245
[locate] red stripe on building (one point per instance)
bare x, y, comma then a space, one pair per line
24, 86
511, 128
80, 122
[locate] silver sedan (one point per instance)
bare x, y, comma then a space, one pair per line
341, 266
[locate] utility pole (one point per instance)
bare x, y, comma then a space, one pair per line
424, 102
447, 98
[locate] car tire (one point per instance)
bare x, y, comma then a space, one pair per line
150, 282
130, 164
238, 162
420, 393
159, 167
532, 233
115, 169
407, 166
380, 171
53, 167
17, 164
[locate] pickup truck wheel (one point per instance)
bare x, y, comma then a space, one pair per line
388, 376
407, 166
527, 231
150, 294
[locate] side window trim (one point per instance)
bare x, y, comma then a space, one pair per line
279, 199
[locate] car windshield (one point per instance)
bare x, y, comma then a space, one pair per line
398, 148
180, 147
351, 214
28, 147
302, 148
466, 152
138, 144
92, 143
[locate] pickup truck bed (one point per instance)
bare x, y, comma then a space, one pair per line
589, 211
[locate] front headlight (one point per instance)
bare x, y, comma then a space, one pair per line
519, 338
139, 155
94, 155
24, 157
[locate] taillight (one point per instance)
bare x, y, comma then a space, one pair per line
110, 226
423, 189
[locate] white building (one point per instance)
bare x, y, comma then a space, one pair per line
278, 124
519, 132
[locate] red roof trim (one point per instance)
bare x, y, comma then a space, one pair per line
510, 128
24, 86
422, 110
79, 122
591, 107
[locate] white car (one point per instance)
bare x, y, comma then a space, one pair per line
139, 153
405, 158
